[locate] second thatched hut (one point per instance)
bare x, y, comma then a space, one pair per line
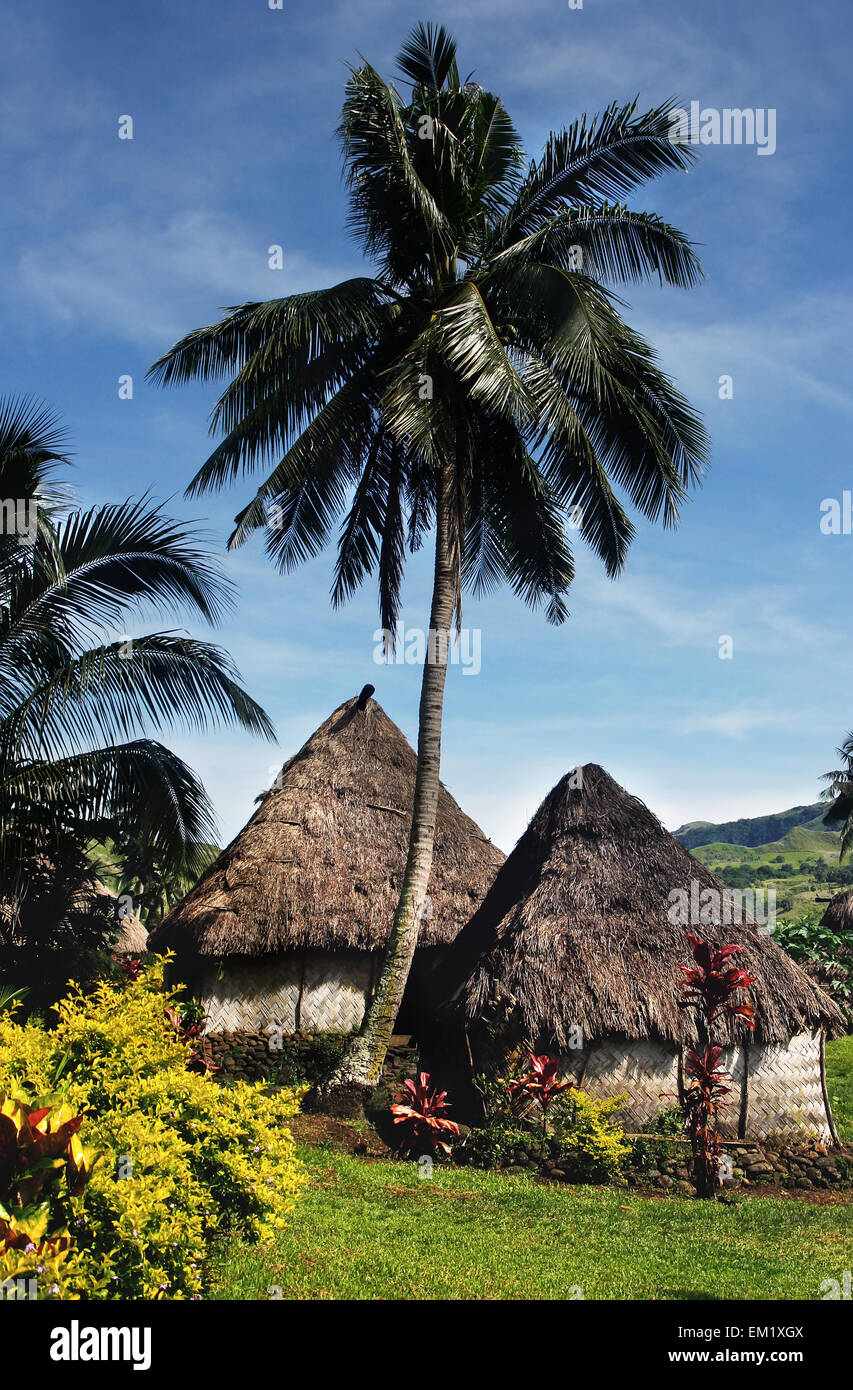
839, 914
575, 950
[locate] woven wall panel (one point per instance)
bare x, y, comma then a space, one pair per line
252, 995
784, 1089
785, 1093
336, 991
320, 993
647, 1071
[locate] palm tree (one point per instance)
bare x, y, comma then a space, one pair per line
137, 868
77, 697
480, 384
839, 793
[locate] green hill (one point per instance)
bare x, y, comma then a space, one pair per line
801, 866
798, 845
754, 831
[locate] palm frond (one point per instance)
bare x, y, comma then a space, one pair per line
428, 56
602, 157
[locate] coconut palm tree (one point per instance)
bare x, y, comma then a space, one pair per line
839, 793
480, 385
78, 698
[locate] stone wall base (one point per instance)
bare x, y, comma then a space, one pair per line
664, 1162
295, 1058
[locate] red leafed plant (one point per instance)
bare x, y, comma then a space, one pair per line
191, 1032
42, 1163
420, 1109
539, 1083
710, 986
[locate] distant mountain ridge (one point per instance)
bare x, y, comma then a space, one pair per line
753, 831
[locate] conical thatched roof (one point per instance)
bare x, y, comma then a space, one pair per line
132, 938
575, 930
321, 861
839, 915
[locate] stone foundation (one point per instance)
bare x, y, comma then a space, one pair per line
663, 1162
298, 1058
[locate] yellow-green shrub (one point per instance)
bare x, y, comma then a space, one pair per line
180, 1154
592, 1147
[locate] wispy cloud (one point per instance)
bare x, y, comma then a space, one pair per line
736, 723
146, 283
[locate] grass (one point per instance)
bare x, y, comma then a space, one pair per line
374, 1230
839, 1083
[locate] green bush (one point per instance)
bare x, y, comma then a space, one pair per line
592, 1146
826, 955
650, 1153
581, 1137
175, 1156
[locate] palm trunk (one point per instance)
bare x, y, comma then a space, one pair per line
358, 1072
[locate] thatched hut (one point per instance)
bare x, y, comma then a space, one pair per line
286, 928
839, 914
131, 938
576, 948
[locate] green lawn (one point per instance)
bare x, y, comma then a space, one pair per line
374, 1230
839, 1083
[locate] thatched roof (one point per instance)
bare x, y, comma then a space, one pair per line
321, 861
88, 904
132, 937
839, 915
575, 931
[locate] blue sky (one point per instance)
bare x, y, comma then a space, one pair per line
113, 248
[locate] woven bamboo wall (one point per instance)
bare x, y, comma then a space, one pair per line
647, 1071
785, 1093
776, 1087
321, 992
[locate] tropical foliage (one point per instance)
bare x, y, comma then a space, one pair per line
79, 697
420, 1111
839, 793
170, 1155
42, 1166
710, 986
824, 954
147, 875
583, 1142
539, 1084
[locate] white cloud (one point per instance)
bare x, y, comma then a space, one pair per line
798, 347
735, 723
145, 281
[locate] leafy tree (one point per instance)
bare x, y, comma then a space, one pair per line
139, 869
78, 698
480, 384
